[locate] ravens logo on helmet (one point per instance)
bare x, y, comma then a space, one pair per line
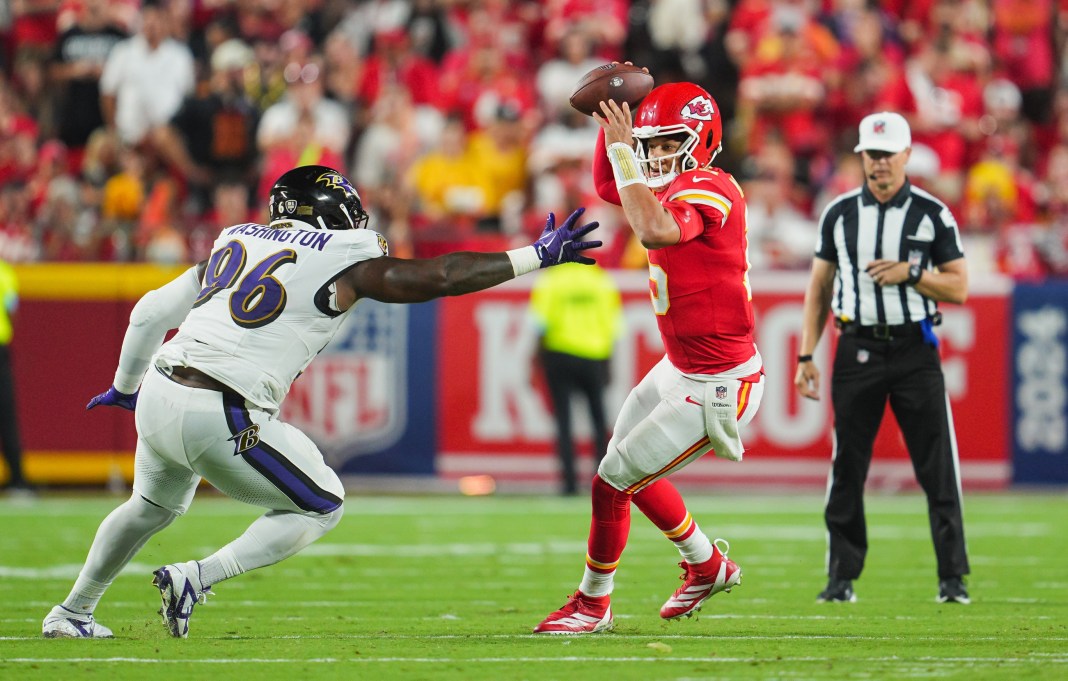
319, 196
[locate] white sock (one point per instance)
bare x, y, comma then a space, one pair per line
597, 583
274, 536
119, 537
696, 548
219, 566
85, 595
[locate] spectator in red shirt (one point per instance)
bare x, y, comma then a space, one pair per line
17, 240
947, 103
476, 87
515, 26
605, 21
868, 75
230, 206
33, 26
783, 86
393, 61
1021, 40
18, 136
911, 16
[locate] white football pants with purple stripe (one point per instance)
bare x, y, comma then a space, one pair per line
185, 434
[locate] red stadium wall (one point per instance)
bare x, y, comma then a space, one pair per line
491, 412
68, 331
493, 422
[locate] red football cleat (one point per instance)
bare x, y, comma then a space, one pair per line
581, 614
700, 582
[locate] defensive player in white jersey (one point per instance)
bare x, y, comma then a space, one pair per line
692, 218
250, 319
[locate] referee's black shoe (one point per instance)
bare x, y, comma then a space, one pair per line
952, 590
837, 591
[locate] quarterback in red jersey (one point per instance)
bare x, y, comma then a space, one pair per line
691, 216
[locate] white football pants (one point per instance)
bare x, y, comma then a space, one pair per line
185, 434
670, 419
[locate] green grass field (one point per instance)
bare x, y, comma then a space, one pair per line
437, 587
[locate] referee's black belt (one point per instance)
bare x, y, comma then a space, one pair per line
883, 332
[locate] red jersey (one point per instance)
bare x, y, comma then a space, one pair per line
700, 286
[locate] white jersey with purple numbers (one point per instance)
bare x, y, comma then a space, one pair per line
267, 306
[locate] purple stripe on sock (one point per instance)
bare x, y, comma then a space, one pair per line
273, 465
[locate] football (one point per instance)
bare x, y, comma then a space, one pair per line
617, 82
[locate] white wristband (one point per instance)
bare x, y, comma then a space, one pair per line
625, 165
524, 260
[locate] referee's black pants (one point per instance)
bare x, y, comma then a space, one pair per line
9, 424
564, 375
908, 372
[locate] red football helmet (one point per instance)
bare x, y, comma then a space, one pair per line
673, 109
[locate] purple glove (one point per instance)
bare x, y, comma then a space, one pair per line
113, 398
558, 245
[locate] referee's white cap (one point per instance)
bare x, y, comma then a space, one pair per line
884, 131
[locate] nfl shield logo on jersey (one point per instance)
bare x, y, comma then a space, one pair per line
863, 356
721, 392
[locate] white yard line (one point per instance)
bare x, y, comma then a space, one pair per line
955, 661
996, 505
614, 636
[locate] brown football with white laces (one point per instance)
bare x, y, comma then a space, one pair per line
617, 82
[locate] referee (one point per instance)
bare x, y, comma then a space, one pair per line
578, 313
887, 254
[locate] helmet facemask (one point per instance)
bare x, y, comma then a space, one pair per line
348, 214
660, 171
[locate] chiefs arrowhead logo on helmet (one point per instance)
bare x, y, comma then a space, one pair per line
699, 108
683, 110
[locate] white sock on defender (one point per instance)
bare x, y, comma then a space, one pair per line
85, 595
219, 566
119, 537
274, 536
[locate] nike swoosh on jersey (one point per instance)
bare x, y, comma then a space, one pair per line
691, 400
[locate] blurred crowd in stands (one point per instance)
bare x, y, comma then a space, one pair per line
133, 130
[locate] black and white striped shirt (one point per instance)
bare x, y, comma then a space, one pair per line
855, 229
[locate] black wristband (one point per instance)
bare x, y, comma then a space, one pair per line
801, 359
915, 272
